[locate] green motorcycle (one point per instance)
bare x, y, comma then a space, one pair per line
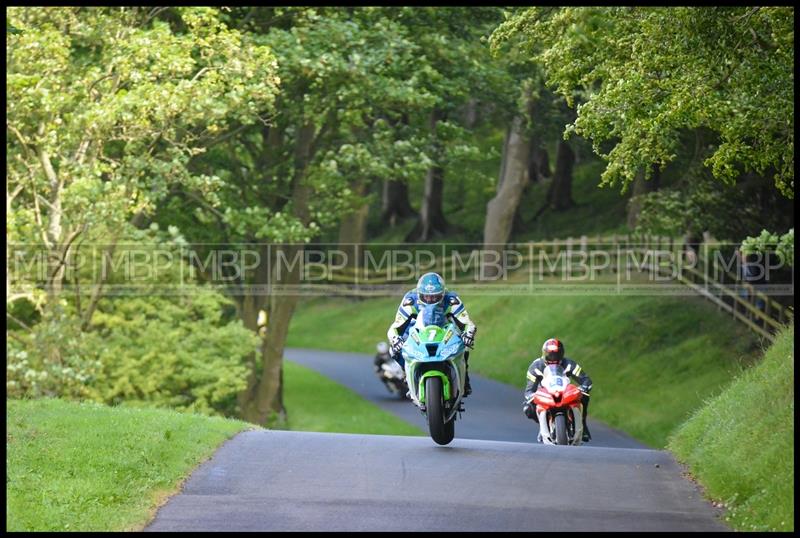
436, 370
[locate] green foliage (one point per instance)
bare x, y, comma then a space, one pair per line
157, 338
771, 242
644, 74
740, 444
698, 206
177, 352
53, 359
86, 467
345, 86
107, 106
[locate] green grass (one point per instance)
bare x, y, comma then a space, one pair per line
653, 360
315, 403
740, 446
87, 467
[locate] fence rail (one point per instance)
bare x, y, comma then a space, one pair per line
706, 276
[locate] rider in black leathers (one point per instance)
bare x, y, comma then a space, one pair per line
553, 353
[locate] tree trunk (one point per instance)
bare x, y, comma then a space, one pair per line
537, 161
501, 209
432, 221
431, 218
262, 400
471, 113
641, 186
56, 248
353, 228
560, 192
395, 206
541, 159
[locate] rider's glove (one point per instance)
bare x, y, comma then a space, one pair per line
397, 344
585, 389
469, 337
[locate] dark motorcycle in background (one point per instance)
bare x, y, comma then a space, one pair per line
389, 372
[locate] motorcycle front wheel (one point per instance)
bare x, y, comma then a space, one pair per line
561, 429
442, 432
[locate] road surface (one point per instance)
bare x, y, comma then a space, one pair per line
305, 481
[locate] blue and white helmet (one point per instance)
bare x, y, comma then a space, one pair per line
430, 288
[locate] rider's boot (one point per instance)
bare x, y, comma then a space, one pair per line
586, 435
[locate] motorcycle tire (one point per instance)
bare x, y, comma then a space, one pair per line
561, 429
442, 432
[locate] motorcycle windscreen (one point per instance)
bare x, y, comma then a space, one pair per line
432, 315
554, 378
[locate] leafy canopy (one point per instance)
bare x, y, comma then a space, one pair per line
642, 75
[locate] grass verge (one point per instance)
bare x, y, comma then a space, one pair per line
740, 446
315, 403
87, 467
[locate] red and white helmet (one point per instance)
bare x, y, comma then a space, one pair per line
552, 350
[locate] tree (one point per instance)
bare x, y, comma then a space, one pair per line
536, 116
105, 108
446, 37
647, 74
344, 76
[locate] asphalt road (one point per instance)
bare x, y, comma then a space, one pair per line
492, 412
305, 481
492, 477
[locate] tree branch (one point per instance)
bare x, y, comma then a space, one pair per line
206, 205
155, 12
225, 136
92, 85
10, 197
19, 136
97, 291
199, 73
18, 321
65, 251
81, 152
17, 338
37, 214
47, 165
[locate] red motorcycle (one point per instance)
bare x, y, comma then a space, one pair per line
559, 408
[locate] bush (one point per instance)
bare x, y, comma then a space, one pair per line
181, 352
53, 358
171, 352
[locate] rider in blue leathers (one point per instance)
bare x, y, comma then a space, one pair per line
430, 290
